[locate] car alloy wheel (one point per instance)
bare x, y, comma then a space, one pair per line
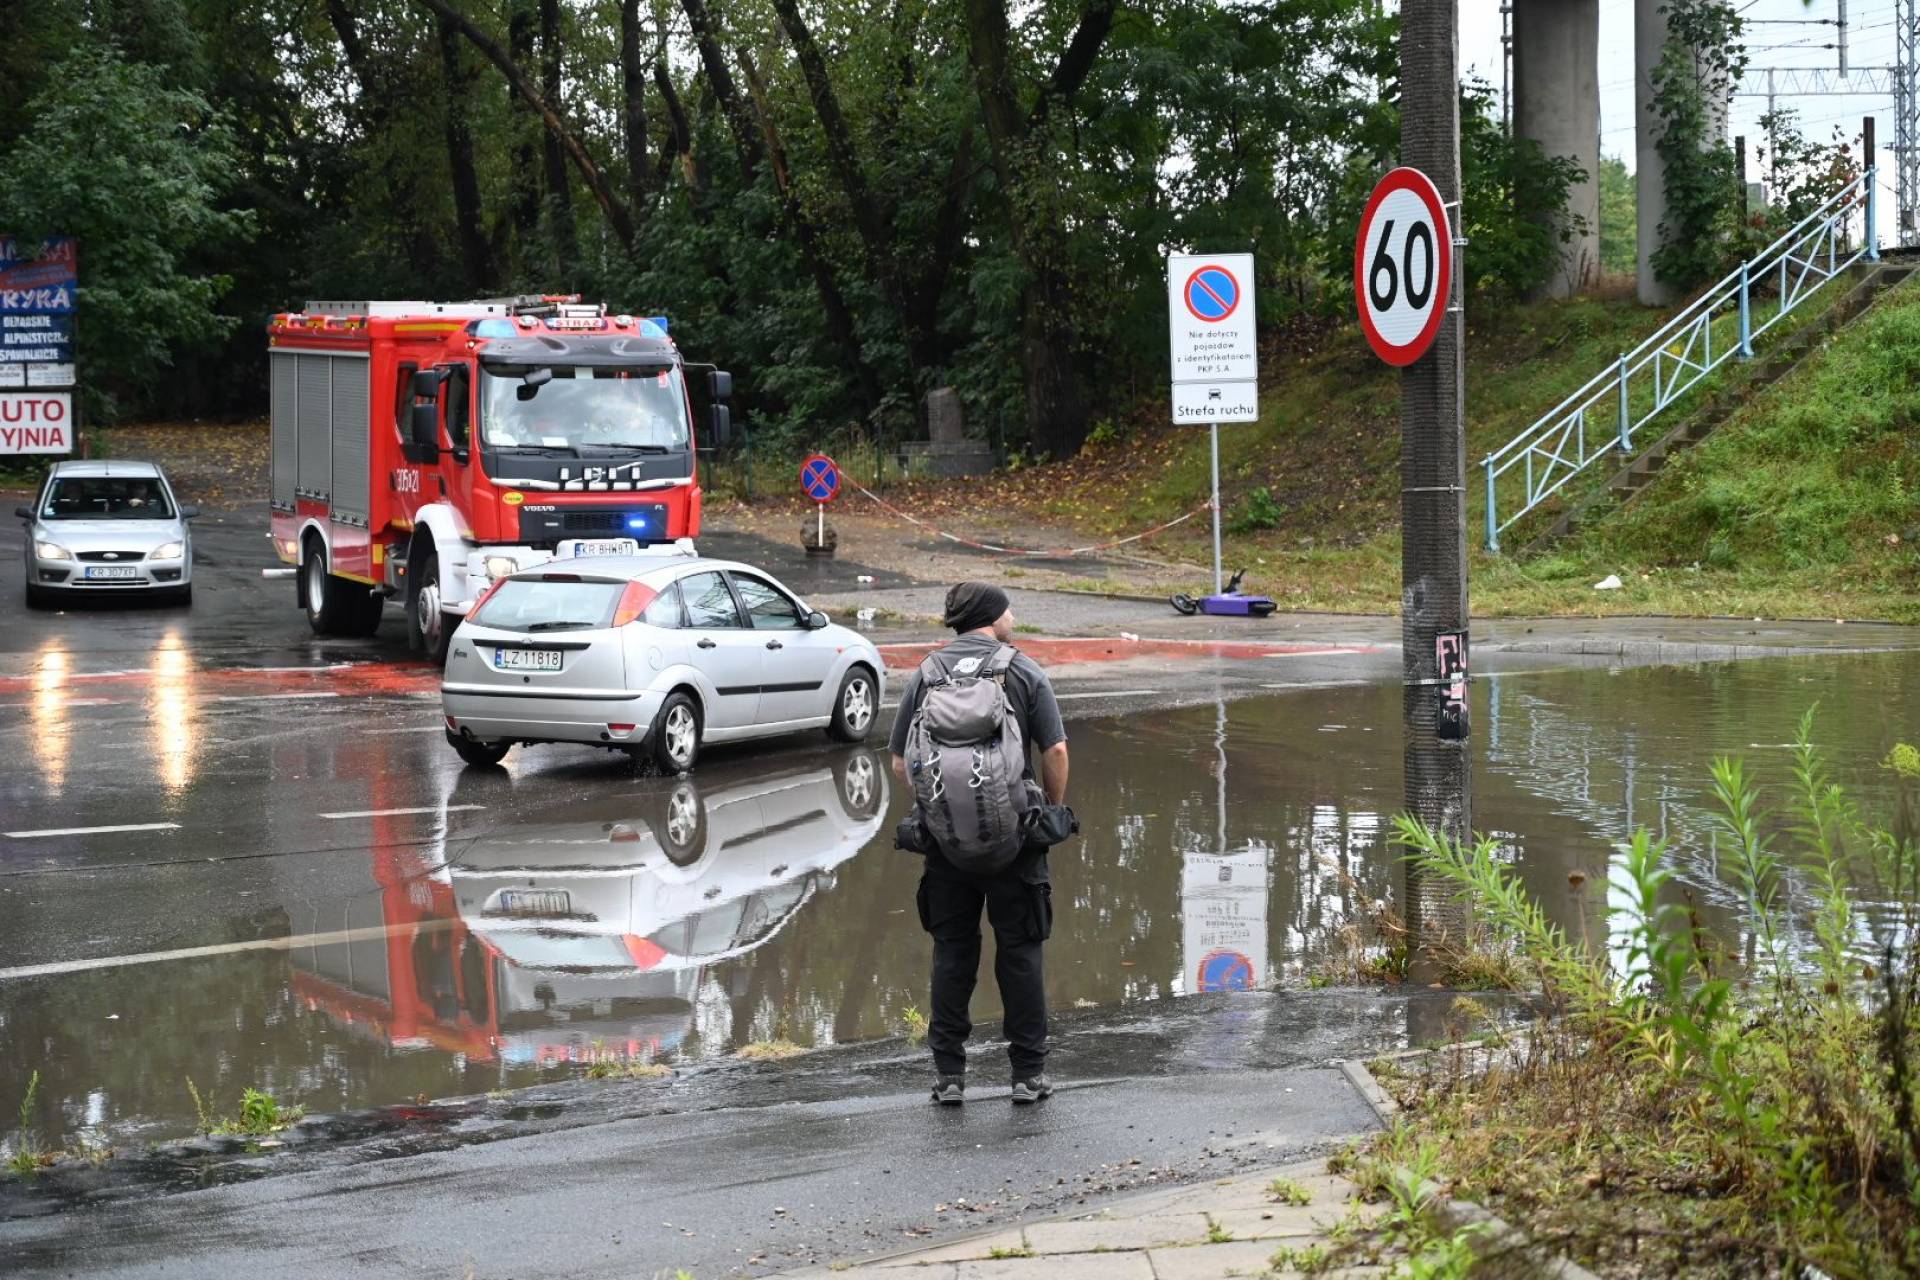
856, 705
683, 816
681, 730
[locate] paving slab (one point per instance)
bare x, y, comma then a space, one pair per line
1088, 1266
1117, 1233
1211, 1261
979, 1248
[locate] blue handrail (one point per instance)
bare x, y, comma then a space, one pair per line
1559, 446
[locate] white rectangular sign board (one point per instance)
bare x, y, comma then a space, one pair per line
36, 422
1210, 314
1223, 921
49, 375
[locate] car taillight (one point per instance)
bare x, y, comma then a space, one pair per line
633, 602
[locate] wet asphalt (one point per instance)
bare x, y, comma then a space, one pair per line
309, 894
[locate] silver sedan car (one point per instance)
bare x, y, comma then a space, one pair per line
651, 656
100, 528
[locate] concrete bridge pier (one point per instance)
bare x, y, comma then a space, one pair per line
1556, 103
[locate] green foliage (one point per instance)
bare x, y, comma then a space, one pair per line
1512, 192
1692, 84
1289, 1192
1800, 175
1619, 220
260, 1114
26, 1153
136, 169
1795, 1101
1256, 510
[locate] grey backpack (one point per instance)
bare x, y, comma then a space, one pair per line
967, 758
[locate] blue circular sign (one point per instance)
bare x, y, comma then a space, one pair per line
1212, 294
1226, 971
820, 478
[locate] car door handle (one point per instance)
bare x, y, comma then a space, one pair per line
705, 643
775, 644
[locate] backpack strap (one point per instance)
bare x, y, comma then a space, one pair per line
1002, 660
933, 671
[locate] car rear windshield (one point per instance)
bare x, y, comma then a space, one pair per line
106, 498
550, 604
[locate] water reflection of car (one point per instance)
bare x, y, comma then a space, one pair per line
104, 528
553, 941
636, 901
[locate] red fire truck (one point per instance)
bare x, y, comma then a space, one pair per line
422, 449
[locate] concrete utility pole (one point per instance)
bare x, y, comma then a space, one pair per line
1433, 496
1556, 103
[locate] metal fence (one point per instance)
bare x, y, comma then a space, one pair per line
1600, 419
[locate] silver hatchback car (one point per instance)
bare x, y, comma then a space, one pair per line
653, 657
100, 528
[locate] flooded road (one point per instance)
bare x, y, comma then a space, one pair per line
312, 898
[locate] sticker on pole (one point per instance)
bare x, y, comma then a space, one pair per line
820, 478
1210, 315
1403, 266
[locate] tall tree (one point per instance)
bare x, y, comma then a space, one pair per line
1023, 163
633, 88
559, 190
476, 253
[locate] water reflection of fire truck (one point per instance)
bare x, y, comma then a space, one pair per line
593, 935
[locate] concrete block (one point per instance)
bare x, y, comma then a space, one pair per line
1212, 1261
1117, 1233
1089, 1266
946, 421
964, 1251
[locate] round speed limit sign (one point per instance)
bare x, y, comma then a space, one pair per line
1403, 266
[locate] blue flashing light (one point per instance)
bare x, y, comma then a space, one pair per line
493, 329
636, 522
653, 326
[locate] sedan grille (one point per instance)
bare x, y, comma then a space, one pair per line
113, 555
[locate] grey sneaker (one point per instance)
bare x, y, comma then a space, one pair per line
1032, 1089
950, 1091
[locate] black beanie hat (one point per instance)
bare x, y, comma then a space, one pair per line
972, 605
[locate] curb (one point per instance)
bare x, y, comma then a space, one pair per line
1503, 1250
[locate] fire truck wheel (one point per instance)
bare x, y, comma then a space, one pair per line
675, 740
481, 755
427, 627
369, 608
331, 605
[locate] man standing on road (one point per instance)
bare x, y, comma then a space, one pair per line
1018, 898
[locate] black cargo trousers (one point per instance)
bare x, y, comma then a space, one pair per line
1019, 905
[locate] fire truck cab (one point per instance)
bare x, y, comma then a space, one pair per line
423, 449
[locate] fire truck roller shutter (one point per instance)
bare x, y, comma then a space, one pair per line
351, 482
314, 474
285, 440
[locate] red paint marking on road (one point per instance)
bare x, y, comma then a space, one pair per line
1050, 651
345, 679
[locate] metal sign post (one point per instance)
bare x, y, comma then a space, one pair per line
1215, 364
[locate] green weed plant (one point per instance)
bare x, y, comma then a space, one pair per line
1671, 1116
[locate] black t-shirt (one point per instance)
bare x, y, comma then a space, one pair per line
1029, 692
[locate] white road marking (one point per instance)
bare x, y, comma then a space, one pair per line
1106, 693
394, 813
90, 831
270, 697
226, 948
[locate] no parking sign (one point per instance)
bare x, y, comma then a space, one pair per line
1210, 315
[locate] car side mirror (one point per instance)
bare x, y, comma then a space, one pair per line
25, 513
817, 620
189, 513
426, 384
722, 426
719, 385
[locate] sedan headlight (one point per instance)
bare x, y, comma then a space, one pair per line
168, 551
500, 566
50, 551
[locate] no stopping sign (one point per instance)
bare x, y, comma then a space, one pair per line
1403, 266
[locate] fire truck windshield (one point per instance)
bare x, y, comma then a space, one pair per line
582, 409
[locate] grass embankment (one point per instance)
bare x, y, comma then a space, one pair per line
1800, 506
1681, 1115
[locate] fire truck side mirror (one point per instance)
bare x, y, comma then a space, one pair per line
426, 383
423, 422
722, 425
719, 385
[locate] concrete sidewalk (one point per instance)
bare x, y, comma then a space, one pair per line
1237, 1227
